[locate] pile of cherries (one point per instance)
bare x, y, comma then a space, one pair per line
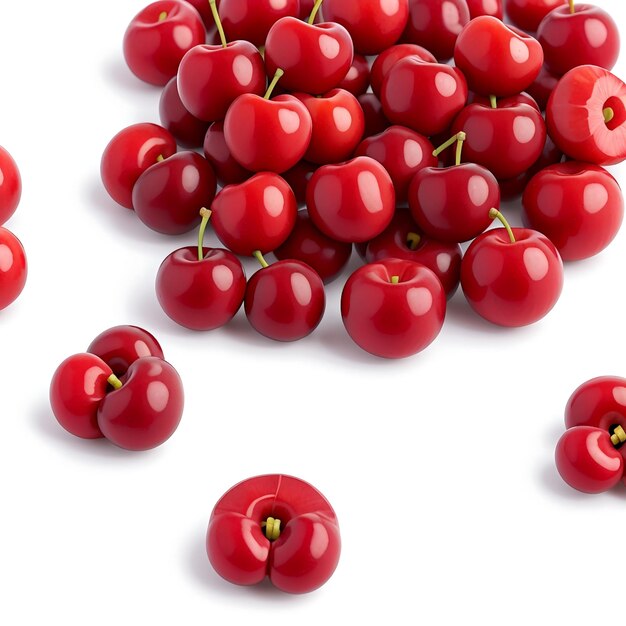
13, 266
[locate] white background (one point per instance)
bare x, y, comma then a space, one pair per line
440, 467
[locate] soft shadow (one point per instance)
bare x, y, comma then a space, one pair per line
552, 482
116, 71
459, 313
240, 330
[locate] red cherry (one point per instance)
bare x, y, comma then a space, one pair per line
285, 301
227, 170
308, 244
13, 268
393, 308
122, 345
512, 277
78, 386
580, 34
542, 87
599, 402
527, 14
338, 125
436, 25
277, 526
587, 459
204, 9
201, 288
298, 178
10, 186
132, 151
256, 215
520, 98
357, 79
497, 59
586, 115
352, 201
375, 120
146, 409
169, 195
159, 36
485, 7
374, 25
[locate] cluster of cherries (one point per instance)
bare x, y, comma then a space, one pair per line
13, 266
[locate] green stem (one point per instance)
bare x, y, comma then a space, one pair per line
609, 114
459, 147
114, 381
272, 528
444, 146
277, 77
258, 255
160, 158
395, 280
218, 22
316, 8
493, 214
162, 16
493, 102
205, 214
572, 8
413, 240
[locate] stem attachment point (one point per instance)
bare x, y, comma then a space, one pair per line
395, 280
493, 102
272, 528
205, 214
114, 381
413, 240
619, 436
609, 114
218, 22
316, 8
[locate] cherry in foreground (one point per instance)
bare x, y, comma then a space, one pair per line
13, 268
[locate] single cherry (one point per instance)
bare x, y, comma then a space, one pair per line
13, 268
10, 186
357, 79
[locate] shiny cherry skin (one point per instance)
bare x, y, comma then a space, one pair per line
301, 559
497, 59
78, 386
188, 130
599, 402
211, 77
520, 98
589, 36
146, 410
506, 140
512, 284
204, 9
159, 36
308, 244
338, 125
374, 25
201, 294
314, 57
252, 20
13, 268
425, 97
576, 120
435, 25
132, 151
578, 206
357, 79
268, 135
298, 178
388, 58
587, 460
352, 201
258, 214
10, 186
527, 14
402, 240
485, 7
393, 308
402, 152
285, 301
542, 87
375, 120
216, 152
122, 345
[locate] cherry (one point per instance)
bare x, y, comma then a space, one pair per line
375, 120
423, 96
452, 204
578, 206
393, 308
122, 345
211, 77
599, 402
542, 87
159, 36
352, 201
298, 178
10, 186
374, 25
285, 301
315, 58
520, 98
581, 34
258, 214
586, 115
435, 25
188, 130
276, 526
527, 14
338, 125
402, 152
78, 386
204, 9
497, 59
227, 170
511, 276
357, 79
402, 240
132, 151
168, 196
13, 268
308, 244
145, 408
587, 459
485, 7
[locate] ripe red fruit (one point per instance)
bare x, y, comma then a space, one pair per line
10, 186
527, 14
13, 268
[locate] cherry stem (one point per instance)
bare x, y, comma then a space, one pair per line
609, 114
205, 214
258, 255
619, 436
459, 138
160, 158
395, 280
413, 240
572, 8
218, 22
277, 77
162, 16
272, 528
493, 102
493, 214
316, 8
114, 381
